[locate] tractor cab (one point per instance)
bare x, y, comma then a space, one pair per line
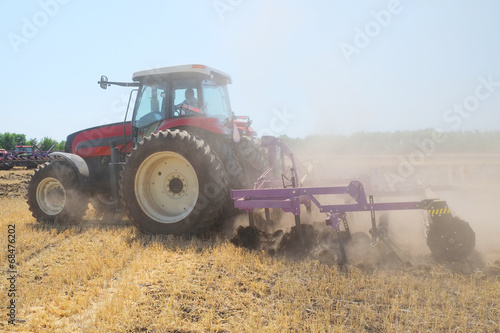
21, 150
188, 96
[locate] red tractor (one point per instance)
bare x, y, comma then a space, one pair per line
171, 166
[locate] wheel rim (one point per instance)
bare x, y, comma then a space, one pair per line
51, 196
166, 187
106, 199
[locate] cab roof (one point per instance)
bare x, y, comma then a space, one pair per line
193, 68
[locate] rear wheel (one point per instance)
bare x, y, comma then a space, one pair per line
450, 238
103, 203
54, 193
233, 169
173, 184
253, 158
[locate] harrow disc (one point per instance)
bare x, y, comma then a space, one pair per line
450, 238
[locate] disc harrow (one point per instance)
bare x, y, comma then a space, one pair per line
448, 237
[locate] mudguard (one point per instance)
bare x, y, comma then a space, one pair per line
75, 161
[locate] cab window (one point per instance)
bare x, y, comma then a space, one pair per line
215, 100
151, 106
186, 97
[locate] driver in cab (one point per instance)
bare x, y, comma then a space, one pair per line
189, 104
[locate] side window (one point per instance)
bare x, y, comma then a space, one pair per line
215, 100
186, 98
180, 95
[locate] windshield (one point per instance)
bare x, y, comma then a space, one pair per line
151, 108
178, 98
24, 149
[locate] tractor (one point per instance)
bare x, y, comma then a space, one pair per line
185, 161
171, 166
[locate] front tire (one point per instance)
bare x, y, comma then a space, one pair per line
173, 184
54, 194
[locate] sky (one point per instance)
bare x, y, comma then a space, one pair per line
298, 67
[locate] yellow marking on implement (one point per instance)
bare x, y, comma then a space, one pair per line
440, 211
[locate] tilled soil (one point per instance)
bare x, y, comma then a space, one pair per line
317, 244
14, 183
320, 243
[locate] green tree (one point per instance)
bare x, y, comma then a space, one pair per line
10, 140
46, 143
60, 145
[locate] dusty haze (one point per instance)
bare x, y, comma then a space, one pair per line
468, 182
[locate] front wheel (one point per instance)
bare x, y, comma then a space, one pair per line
173, 184
54, 194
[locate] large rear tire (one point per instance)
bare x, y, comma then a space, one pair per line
253, 159
234, 171
54, 194
173, 184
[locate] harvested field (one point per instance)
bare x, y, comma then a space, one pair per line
101, 275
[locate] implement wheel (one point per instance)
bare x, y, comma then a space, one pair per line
450, 238
173, 184
54, 194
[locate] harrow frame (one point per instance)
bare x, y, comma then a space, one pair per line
289, 198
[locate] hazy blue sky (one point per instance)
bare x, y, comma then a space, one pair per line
298, 67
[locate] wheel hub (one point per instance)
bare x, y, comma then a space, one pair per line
51, 196
166, 187
176, 185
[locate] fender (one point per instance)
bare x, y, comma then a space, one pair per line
76, 162
209, 124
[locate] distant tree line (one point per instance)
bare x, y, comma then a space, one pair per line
400, 142
10, 140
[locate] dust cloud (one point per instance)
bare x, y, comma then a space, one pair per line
467, 182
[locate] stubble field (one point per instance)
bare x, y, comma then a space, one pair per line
101, 275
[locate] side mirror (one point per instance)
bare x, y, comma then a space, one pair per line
104, 82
